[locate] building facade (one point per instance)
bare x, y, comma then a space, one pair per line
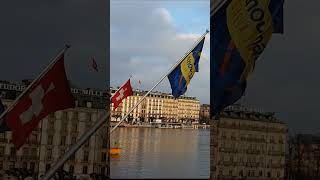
204, 112
55, 135
303, 157
247, 145
157, 106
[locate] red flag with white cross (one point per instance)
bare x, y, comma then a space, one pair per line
49, 93
123, 92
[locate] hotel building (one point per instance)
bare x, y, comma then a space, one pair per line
246, 144
157, 105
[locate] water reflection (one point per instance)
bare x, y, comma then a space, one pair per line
161, 153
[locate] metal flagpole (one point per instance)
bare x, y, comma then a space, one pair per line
53, 61
163, 77
217, 4
76, 146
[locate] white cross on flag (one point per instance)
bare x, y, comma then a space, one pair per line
49, 93
122, 93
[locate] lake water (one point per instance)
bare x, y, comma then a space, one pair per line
161, 153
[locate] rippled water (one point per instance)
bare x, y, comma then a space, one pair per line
161, 153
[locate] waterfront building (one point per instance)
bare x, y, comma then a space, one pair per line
204, 112
55, 135
157, 106
246, 144
303, 157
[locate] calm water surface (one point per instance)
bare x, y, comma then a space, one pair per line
161, 153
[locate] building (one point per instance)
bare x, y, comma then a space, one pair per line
157, 105
303, 157
55, 135
246, 144
204, 112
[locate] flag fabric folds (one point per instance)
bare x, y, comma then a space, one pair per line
3, 125
180, 77
237, 42
49, 93
122, 93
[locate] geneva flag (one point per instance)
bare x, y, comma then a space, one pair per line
180, 77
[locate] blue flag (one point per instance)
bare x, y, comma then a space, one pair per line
180, 77
228, 66
3, 125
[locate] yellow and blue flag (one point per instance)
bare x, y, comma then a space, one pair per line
180, 77
240, 30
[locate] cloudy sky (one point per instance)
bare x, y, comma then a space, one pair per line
148, 37
32, 33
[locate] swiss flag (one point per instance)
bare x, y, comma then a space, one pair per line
49, 93
122, 93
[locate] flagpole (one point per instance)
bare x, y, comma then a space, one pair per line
162, 78
217, 7
53, 61
76, 146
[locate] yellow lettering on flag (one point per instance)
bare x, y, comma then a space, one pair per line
187, 68
250, 27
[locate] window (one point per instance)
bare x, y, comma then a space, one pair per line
72, 157
11, 165
49, 154
48, 166
32, 166
103, 170
63, 140
1, 151
73, 140
85, 170
86, 144
50, 140
62, 152
71, 169
104, 157
12, 152
34, 152
85, 155
25, 165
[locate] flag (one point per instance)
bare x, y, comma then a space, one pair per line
94, 64
180, 77
238, 42
48, 94
139, 82
123, 92
3, 125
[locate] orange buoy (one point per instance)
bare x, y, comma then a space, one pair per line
115, 151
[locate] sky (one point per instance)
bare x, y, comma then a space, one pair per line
148, 37
33, 32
